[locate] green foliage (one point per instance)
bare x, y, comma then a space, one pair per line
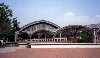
8, 26
78, 31
15, 26
75, 41
5, 19
86, 36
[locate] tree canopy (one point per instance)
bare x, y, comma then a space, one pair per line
8, 24
85, 33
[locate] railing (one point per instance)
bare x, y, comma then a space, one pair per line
50, 39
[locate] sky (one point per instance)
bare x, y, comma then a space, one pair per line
60, 12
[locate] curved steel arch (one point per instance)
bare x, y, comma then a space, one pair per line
41, 30
56, 27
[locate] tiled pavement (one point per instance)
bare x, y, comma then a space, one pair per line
9, 49
53, 53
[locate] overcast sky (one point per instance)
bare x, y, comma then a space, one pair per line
60, 12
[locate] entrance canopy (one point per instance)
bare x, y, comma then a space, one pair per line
40, 29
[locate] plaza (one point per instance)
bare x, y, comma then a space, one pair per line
53, 53
50, 29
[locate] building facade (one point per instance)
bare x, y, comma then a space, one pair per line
47, 31
42, 31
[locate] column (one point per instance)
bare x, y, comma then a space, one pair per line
30, 36
38, 36
60, 39
15, 37
60, 34
45, 36
52, 39
65, 39
57, 39
34, 39
7, 39
94, 33
45, 40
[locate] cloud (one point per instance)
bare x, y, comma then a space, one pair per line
71, 18
97, 16
71, 14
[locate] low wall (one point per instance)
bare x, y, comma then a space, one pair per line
65, 45
24, 45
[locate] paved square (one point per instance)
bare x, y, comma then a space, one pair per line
53, 53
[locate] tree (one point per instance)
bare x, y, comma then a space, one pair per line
7, 25
77, 31
86, 36
5, 19
15, 25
